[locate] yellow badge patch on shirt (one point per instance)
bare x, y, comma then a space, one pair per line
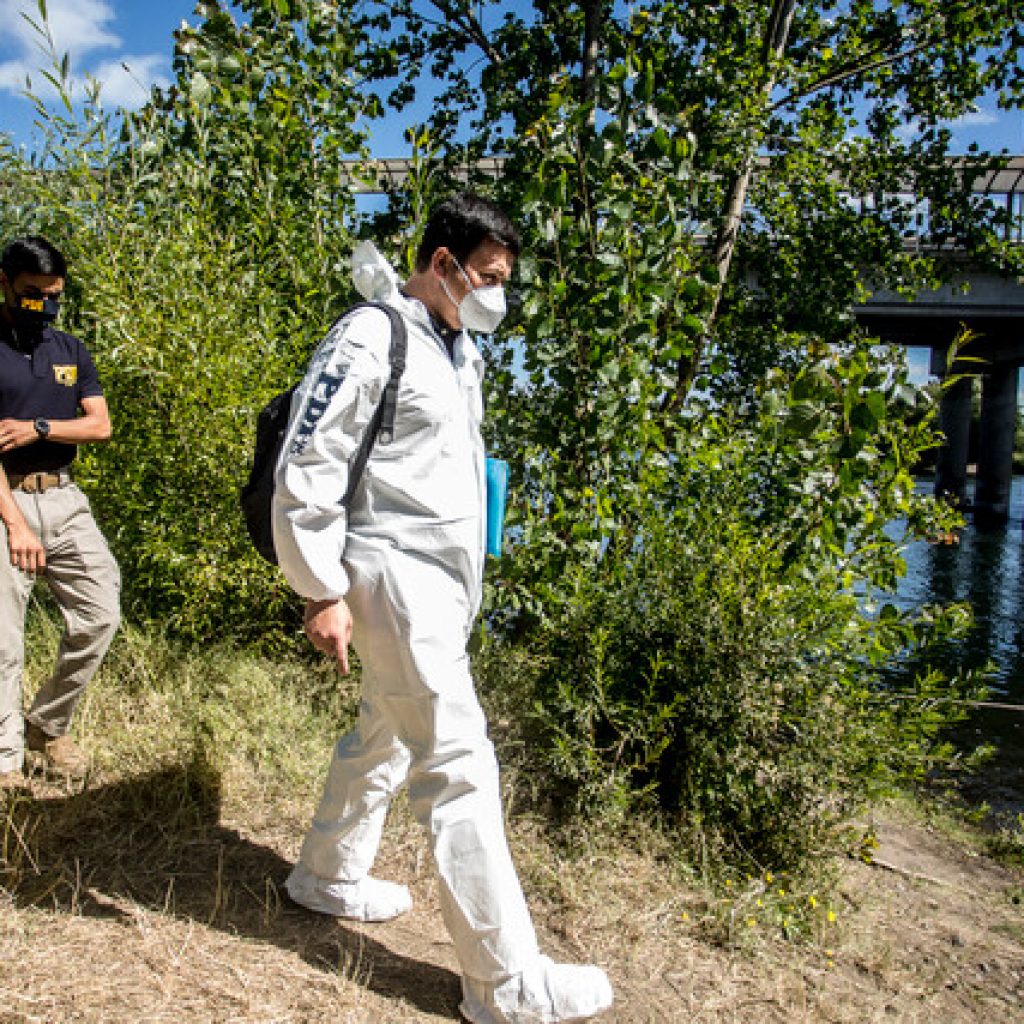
66, 375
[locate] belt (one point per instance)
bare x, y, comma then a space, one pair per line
37, 483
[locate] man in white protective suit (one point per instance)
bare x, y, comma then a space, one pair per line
398, 573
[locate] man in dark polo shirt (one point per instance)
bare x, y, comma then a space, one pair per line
50, 402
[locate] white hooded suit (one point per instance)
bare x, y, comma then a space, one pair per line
407, 556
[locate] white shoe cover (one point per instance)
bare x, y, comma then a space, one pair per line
369, 899
546, 993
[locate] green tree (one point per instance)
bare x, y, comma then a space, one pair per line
208, 236
829, 102
691, 177
707, 188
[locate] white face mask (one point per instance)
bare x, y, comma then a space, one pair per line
483, 308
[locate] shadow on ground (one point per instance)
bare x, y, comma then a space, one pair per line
156, 841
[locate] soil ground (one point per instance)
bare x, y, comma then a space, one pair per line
123, 902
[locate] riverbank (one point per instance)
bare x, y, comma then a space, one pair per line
112, 918
153, 892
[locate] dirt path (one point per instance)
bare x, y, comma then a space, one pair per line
101, 925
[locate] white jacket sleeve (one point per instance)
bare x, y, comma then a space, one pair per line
330, 412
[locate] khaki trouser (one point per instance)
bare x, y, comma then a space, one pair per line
86, 584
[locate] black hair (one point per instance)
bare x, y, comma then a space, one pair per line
32, 254
460, 224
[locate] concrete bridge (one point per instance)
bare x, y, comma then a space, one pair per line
991, 308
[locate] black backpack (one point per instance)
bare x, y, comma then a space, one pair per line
272, 425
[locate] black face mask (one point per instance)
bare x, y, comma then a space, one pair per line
34, 312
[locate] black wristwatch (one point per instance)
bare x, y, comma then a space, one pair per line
42, 427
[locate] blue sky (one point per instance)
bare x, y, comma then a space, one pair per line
101, 36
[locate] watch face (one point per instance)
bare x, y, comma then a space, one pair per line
42, 427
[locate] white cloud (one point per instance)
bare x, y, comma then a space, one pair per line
78, 27
126, 82
12, 76
84, 30
975, 119
965, 122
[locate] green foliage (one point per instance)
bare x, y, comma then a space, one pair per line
207, 238
724, 663
607, 313
1008, 844
262, 125
845, 107
752, 908
184, 385
156, 701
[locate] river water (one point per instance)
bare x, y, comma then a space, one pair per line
986, 570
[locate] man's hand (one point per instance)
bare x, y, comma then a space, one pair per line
329, 628
27, 553
16, 434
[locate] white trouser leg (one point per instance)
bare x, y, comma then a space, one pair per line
410, 633
453, 785
367, 767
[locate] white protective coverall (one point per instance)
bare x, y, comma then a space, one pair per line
408, 559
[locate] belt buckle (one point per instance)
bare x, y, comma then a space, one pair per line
41, 482
35, 483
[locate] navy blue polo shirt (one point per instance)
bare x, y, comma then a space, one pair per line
47, 377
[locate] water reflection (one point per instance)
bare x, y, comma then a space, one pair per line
985, 570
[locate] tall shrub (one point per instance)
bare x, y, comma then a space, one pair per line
208, 237
724, 662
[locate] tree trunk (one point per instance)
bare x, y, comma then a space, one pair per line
776, 37
592, 15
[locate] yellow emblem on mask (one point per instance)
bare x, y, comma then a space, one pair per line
66, 375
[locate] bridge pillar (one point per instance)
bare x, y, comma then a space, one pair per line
995, 445
955, 422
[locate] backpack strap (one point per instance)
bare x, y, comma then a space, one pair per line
382, 423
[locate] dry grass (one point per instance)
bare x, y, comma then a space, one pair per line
153, 893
